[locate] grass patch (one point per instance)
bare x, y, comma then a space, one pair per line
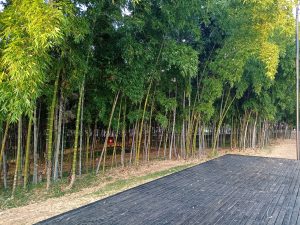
124, 184
112, 185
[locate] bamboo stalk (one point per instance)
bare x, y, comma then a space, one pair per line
26, 169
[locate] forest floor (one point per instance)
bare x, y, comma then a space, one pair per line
39, 205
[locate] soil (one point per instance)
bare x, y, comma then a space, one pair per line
38, 211
277, 149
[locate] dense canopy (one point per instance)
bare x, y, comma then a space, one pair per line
98, 83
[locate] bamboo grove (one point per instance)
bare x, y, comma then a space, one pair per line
87, 85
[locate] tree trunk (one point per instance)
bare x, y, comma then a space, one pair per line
149, 132
254, 133
148, 142
62, 149
73, 176
87, 150
58, 140
216, 134
35, 146
199, 140
27, 152
50, 133
81, 136
195, 136
123, 137
224, 109
247, 117
132, 150
18, 157
113, 158
4, 171
172, 134
160, 141
55, 135
232, 130
94, 146
183, 140
145, 142
166, 143
137, 156
107, 133
3, 142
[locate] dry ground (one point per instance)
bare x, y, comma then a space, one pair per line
42, 210
277, 149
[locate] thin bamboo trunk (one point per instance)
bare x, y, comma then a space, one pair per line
224, 137
62, 149
27, 152
199, 140
137, 156
132, 150
73, 177
50, 133
149, 141
189, 125
87, 150
4, 171
195, 136
107, 134
81, 136
203, 137
253, 145
247, 117
286, 133
18, 157
231, 134
160, 142
123, 136
183, 140
93, 146
3, 142
149, 132
165, 143
223, 112
172, 134
113, 158
21, 161
21, 155
58, 139
145, 142
175, 146
55, 135
35, 146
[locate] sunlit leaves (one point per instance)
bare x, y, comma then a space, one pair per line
250, 27
270, 57
30, 28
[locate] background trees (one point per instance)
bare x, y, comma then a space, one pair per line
100, 83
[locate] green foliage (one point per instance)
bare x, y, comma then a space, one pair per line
182, 57
210, 62
250, 27
167, 103
28, 30
162, 120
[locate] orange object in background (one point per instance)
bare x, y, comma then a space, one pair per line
110, 141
